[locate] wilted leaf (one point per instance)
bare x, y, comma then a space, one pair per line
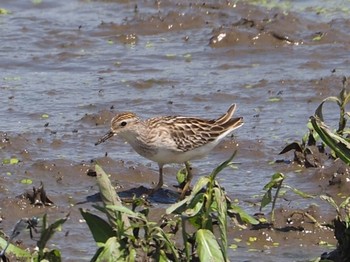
298, 192
293, 146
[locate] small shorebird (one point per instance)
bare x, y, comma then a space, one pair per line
172, 139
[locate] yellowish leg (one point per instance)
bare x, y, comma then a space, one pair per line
160, 181
188, 182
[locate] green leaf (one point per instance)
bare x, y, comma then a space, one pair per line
18, 252
111, 251
298, 192
202, 182
318, 111
331, 201
337, 143
195, 206
243, 214
48, 231
267, 198
221, 203
27, 181
275, 181
207, 247
52, 256
128, 212
181, 175
274, 99
4, 11
223, 165
10, 161
162, 236
179, 206
100, 229
110, 197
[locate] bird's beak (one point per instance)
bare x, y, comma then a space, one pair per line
105, 137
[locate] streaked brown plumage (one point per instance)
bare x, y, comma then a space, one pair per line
172, 139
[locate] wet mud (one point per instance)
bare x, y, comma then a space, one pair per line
67, 68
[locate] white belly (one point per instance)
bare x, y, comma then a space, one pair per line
166, 156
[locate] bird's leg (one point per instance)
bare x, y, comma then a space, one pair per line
188, 182
160, 181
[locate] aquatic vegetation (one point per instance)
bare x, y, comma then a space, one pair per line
276, 182
308, 153
46, 233
129, 234
336, 140
341, 225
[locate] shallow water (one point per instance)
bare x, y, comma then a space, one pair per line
68, 66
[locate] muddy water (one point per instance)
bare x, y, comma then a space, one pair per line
68, 66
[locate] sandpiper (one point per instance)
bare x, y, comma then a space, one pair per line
172, 139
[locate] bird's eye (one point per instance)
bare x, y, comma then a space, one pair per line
123, 123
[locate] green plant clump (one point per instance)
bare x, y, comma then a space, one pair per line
130, 236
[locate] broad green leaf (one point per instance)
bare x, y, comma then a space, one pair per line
111, 251
100, 229
207, 247
202, 182
195, 206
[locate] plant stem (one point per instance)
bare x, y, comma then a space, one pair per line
274, 201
